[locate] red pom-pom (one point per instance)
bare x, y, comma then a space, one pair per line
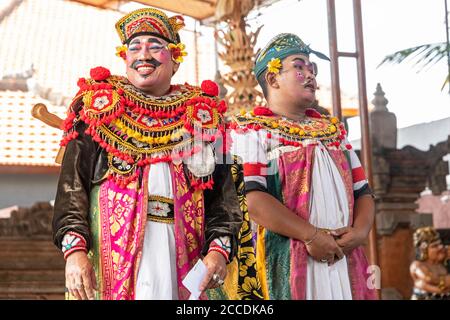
81, 83
210, 88
262, 111
312, 113
100, 73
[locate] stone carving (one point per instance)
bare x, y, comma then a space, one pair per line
34, 222
428, 271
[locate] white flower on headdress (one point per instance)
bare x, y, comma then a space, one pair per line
204, 115
101, 102
158, 208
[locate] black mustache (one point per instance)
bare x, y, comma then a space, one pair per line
153, 62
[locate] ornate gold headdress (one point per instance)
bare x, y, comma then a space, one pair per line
149, 21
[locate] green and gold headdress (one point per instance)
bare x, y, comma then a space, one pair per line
280, 47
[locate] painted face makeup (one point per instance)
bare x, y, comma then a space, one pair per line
153, 45
139, 48
303, 66
300, 77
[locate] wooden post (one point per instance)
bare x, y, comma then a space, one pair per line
366, 150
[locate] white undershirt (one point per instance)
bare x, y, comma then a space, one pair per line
157, 276
328, 209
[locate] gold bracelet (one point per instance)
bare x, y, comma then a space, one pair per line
442, 285
327, 231
313, 237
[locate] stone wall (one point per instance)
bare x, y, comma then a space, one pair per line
31, 267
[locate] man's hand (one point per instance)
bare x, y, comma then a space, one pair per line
80, 276
324, 248
216, 264
348, 238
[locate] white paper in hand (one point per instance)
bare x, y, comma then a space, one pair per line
194, 278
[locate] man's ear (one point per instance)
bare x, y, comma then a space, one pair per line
271, 80
175, 68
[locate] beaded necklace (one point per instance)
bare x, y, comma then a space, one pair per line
136, 129
315, 127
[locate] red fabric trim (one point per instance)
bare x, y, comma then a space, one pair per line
76, 234
358, 174
220, 250
255, 169
72, 250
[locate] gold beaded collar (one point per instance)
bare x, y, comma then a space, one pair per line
314, 126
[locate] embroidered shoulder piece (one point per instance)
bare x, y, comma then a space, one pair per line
315, 126
137, 129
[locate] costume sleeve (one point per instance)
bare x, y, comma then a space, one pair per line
250, 148
360, 183
71, 208
222, 212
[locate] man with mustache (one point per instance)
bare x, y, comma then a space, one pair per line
306, 189
143, 191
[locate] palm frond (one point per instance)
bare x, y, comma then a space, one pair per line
447, 81
423, 55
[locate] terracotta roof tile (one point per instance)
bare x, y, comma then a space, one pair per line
24, 139
64, 40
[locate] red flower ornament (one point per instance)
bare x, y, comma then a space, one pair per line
262, 111
313, 113
100, 73
210, 88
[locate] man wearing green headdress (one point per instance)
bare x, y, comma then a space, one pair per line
306, 190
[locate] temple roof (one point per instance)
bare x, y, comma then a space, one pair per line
198, 9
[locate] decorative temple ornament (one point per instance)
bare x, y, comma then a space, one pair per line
238, 54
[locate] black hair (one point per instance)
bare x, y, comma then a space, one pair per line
263, 83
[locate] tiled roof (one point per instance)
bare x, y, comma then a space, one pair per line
61, 39
24, 139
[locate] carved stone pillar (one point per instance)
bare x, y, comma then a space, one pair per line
382, 122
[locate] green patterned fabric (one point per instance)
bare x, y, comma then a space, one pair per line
242, 282
278, 257
282, 46
94, 219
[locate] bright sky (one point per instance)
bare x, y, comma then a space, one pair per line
388, 26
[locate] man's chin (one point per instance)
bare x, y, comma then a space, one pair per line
145, 75
143, 83
308, 99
